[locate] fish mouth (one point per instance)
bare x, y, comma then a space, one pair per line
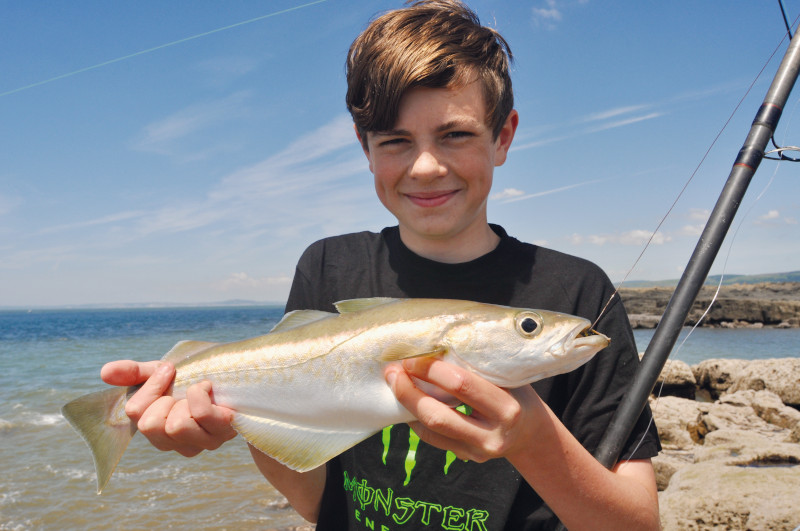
584, 336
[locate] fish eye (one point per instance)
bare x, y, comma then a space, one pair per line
529, 324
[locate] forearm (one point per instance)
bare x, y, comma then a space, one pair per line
302, 489
583, 493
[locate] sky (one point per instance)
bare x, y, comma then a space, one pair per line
188, 152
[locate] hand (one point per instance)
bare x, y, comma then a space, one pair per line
187, 426
502, 422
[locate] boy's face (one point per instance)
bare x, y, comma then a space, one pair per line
433, 170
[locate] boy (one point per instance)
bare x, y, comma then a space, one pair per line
430, 95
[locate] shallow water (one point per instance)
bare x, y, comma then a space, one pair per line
48, 479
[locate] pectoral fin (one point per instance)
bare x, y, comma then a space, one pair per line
401, 351
300, 448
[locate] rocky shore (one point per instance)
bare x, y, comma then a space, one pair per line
730, 431
738, 305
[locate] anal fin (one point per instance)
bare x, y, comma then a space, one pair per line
300, 448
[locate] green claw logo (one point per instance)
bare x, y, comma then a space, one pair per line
413, 443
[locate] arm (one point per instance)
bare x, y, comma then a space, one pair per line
196, 423
520, 427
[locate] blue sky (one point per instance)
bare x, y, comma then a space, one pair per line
189, 151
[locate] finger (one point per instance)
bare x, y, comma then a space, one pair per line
483, 396
216, 420
152, 423
435, 416
154, 388
182, 433
439, 424
127, 372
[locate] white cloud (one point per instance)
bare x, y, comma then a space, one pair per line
547, 15
692, 230
641, 237
634, 237
600, 122
774, 218
276, 191
507, 193
160, 136
243, 280
612, 113
699, 214
622, 123
105, 220
517, 195
271, 200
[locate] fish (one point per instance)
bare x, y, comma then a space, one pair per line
314, 385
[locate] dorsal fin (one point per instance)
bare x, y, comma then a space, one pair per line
186, 349
299, 318
356, 305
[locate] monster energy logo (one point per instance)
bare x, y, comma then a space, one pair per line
405, 511
413, 443
372, 504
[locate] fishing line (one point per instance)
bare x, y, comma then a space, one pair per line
160, 47
691, 178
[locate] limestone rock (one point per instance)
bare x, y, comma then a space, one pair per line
717, 375
747, 448
771, 408
669, 461
679, 421
735, 411
677, 379
639, 320
781, 376
713, 496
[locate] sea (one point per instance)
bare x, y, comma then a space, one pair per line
47, 479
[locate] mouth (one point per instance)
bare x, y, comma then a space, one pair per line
431, 199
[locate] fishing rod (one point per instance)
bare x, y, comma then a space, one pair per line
706, 250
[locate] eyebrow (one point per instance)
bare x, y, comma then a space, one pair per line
452, 124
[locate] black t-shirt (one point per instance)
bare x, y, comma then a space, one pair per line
393, 481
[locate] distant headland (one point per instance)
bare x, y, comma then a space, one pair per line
742, 301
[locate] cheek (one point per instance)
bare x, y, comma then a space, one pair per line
380, 189
386, 175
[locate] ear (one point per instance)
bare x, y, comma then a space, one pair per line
506, 136
363, 143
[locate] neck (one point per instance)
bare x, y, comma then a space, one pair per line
453, 250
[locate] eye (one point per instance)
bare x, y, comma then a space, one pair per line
459, 134
529, 324
392, 141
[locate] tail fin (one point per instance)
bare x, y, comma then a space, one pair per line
101, 420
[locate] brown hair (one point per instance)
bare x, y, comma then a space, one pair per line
431, 43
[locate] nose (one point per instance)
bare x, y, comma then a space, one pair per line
427, 166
